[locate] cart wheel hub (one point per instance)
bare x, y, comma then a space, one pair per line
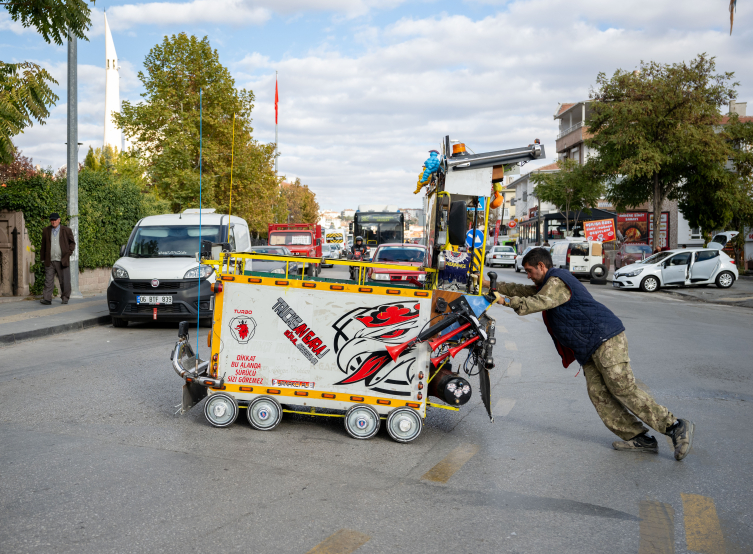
263, 414
220, 410
362, 422
405, 425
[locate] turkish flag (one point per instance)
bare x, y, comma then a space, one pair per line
277, 99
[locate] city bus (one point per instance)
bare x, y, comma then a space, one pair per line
378, 228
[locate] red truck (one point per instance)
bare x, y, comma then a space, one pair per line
302, 239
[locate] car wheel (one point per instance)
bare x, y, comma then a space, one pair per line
206, 322
650, 284
725, 280
119, 322
516, 269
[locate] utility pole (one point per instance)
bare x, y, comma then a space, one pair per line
277, 148
72, 166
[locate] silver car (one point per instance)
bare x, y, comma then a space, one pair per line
682, 267
500, 255
329, 252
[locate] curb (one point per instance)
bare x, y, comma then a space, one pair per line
702, 300
13, 338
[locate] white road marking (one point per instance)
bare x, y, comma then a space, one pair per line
510, 345
514, 370
503, 406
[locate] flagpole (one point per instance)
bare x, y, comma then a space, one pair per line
277, 151
232, 159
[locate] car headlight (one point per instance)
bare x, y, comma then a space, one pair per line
206, 271
421, 278
278, 270
380, 277
632, 273
119, 273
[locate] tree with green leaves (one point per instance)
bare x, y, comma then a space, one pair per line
165, 131
25, 94
724, 200
571, 189
300, 203
653, 129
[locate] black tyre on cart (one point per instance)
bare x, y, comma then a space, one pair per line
362, 421
221, 410
264, 413
404, 424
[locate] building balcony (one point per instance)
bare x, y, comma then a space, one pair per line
570, 130
572, 136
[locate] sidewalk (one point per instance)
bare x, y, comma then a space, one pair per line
26, 319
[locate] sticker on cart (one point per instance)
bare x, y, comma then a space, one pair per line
242, 328
293, 384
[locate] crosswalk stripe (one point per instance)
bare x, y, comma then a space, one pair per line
702, 530
501, 329
344, 541
657, 528
514, 369
510, 345
446, 468
503, 406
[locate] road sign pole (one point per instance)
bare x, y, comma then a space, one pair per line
72, 163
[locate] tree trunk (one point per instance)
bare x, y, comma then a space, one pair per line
738, 244
658, 201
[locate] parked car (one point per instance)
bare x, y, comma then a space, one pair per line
399, 254
157, 275
518, 265
500, 255
329, 252
631, 252
681, 267
580, 257
272, 266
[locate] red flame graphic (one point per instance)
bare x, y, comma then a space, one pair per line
372, 364
391, 315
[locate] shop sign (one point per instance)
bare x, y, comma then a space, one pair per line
601, 230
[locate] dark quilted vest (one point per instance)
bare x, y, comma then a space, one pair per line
581, 324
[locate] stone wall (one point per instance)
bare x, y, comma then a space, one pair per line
92, 281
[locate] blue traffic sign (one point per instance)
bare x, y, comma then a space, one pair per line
478, 241
481, 205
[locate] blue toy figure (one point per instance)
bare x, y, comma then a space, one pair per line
430, 166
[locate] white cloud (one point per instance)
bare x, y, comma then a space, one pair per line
357, 128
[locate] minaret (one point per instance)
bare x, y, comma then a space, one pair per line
112, 91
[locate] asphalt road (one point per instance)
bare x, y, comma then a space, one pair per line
93, 459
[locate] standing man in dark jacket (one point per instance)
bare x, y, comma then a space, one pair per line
57, 247
587, 331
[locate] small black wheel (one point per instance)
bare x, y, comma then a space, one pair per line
650, 284
221, 410
517, 270
404, 424
206, 322
264, 413
119, 322
725, 280
362, 421
599, 271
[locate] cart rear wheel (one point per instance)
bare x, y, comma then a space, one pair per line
404, 424
264, 413
362, 421
221, 409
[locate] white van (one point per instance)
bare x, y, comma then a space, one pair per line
580, 257
157, 276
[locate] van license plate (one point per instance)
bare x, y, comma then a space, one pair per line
615, 284
579, 269
154, 300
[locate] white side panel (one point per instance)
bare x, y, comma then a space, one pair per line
322, 341
471, 182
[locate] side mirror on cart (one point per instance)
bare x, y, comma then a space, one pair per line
456, 223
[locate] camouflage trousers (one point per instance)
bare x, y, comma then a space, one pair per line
621, 405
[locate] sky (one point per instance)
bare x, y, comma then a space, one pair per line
368, 87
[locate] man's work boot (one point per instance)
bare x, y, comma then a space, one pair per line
641, 443
681, 434
45, 302
64, 301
